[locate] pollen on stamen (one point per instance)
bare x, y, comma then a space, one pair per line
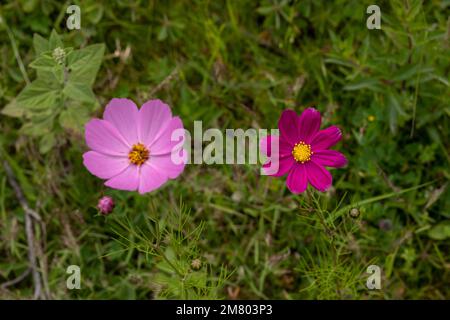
302, 152
138, 154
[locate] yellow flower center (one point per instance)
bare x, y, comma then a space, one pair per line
138, 154
302, 152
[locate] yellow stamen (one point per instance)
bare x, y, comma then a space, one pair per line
302, 152
138, 154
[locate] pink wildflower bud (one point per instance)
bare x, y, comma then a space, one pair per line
105, 205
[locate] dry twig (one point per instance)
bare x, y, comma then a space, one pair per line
163, 83
30, 216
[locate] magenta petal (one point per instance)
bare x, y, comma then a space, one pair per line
284, 165
318, 176
297, 180
329, 158
166, 166
326, 138
126, 180
164, 144
123, 114
265, 146
154, 116
309, 124
104, 166
103, 137
151, 178
288, 126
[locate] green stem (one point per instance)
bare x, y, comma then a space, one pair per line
162, 254
340, 212
17, 55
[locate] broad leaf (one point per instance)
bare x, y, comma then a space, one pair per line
74, 118
40, 44
38, 95
85, 63
12, 109
39, 125
47, 142
79, 92
44, 62
55, 40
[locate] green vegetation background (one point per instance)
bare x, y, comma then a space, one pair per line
238, 64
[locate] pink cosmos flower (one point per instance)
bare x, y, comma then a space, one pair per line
304, 150
131, 148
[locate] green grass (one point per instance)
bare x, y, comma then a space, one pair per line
238, 64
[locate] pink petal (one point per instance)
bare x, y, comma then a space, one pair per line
104, 166
309, 124
126, 180
326, 138
265, 146
151, 178
288, 126
329, 158
284, 165
154, 116
166, 166
318, 176
103, 137
297, 180
123, 114
163, 143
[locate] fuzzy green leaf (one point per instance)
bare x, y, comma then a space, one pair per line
74, 118
38, 95
12, 109
39, 125
55, 40
44, 62
47, 142
40, 44
85, 63
79, 92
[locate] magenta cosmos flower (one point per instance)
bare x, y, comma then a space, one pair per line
131, 148
304, 150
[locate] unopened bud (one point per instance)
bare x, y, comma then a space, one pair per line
354, 212
196, 264
105, 205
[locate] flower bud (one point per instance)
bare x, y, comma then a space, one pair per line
196, 264
354, 212
105, 205
385, 224
59, 55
